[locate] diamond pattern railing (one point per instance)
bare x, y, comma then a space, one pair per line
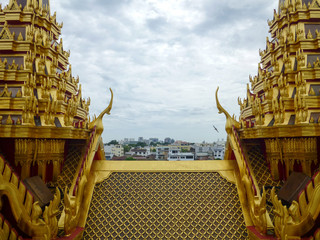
165, 206
260, 168
262, 174
70, 166
69, 169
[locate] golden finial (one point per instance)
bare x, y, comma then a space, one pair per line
311, 120
20, 38
19, 94
311, 92
9, 120
5, 92
97, 121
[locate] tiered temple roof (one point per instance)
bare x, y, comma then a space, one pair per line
37, 88
283, 98
278, 132
285, 91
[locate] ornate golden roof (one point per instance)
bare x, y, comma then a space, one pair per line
39, 96
165, 206
285, 91
279, 126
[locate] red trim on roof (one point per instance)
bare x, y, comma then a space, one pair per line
253, 230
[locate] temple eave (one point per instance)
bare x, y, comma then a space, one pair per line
49, 132
305, 130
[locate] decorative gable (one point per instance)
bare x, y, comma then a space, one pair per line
5, 33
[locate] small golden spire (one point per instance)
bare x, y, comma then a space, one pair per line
19, 94
311, 92
9, 120
5, 92
311, 120
20, 38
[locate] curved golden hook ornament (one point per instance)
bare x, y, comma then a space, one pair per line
230, 121
220, 108
98, 121
108, 109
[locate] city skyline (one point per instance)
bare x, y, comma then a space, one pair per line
164, 61
156, 139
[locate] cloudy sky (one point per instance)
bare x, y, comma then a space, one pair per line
164, 60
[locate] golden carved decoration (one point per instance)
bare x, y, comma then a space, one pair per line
9, 120
46, 85
73, 206
316, 64
300, 83
6, 232
3, 63
300, 217
62, 87
289, 151
283, 86
255, 202
29, 85
13, 6
97, 122
278, 110
312, 92
30, 110
229, 120
6, 92
40, 152
309, 35
20, 37
13, 65
70, 112
300, 108
19, 94
50, 112
27, 213
5, 32
258, 112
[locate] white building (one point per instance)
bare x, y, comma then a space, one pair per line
113, 150
181, 157
218, 152
173, 154
143, 152
219, 149
215, 150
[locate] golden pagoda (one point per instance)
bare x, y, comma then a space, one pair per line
43, 124
41, 102
282, 100
46, 135
277, 136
